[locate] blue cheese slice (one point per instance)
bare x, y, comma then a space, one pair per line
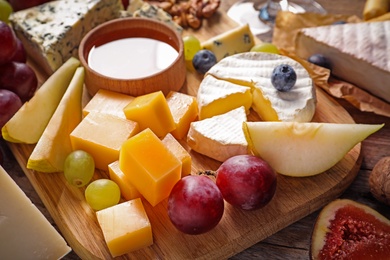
219, 137
254, 69
52, 32
217, 97
25, 233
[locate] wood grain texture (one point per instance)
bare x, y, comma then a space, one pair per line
295, 198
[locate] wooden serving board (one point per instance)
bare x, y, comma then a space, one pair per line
295, 198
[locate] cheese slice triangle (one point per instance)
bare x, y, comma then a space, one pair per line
358, 52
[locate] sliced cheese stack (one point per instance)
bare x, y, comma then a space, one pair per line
219, 137
359, 53
254, 70
52, 32
24, 232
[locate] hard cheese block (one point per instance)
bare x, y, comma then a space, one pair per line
51, 33
128, 190
125, 227
25, 233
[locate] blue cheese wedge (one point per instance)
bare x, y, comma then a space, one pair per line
219, 137
254, 69
52, 32
217, 97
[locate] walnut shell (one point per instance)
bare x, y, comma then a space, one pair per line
379, 180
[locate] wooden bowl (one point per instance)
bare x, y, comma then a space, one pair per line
171, 78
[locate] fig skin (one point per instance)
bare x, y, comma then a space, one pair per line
356, 231
379, 180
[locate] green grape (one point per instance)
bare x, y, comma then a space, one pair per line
79, 168
265, 47
5, 11
102, 193
191, 46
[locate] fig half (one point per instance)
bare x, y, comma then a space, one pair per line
349, 230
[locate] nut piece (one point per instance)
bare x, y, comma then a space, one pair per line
379, 180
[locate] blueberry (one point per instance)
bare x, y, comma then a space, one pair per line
320, 60
283, 77
204, 60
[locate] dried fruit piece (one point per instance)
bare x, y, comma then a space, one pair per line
380, 180
349, 230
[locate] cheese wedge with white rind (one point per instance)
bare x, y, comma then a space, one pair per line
358, 52
254, 69
25, 233
29, 122
304, 149
219, 137
53, 147
217, 97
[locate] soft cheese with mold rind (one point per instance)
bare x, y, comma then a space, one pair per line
254, 69
24, 232
216, 97
219, 137
51, 33
359, 53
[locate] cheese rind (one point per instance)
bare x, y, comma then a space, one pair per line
219, 137
254, 69
216, 97
25, 232
126, 227
359, 53
52, 32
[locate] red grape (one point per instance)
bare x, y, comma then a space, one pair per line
7, 43
246, 182
19, 78
9, 104
195, 204
20, 53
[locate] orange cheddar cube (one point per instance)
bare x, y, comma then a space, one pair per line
150, 166
102, 135
184, 109
151, 111
108, 102
128, 190
178, 150
126, 227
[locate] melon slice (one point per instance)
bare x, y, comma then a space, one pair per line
304, 149
28, 124
54, 145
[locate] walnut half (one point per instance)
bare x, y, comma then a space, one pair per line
379, 180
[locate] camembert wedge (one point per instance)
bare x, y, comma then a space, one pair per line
254, 70
359, 53
219, 137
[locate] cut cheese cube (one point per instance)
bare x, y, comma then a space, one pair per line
126, 227
25, 233
52, 32
108, 102
178, 150
151, 111
219, 137
102, 136
128, 190
236, 40
150, 166
216, 97
184, 109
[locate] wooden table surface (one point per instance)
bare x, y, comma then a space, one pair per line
293, 242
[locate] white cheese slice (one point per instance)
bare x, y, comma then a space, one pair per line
52, 32
217, 97
219, 137
254, 69
25, 233
359, 53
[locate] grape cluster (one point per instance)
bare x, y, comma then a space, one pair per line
196, 202
18, 82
